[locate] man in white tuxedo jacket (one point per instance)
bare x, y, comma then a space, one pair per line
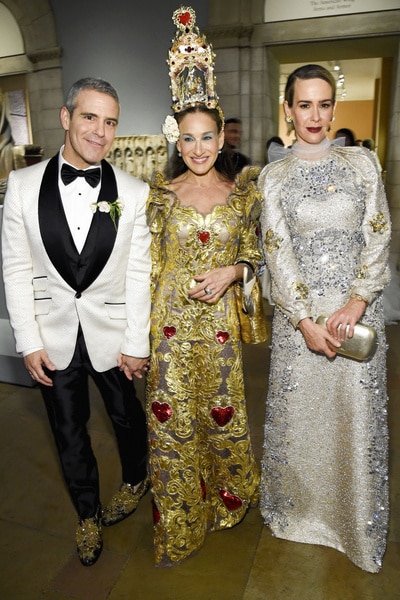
76, 264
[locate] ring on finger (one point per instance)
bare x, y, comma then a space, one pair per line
208, 291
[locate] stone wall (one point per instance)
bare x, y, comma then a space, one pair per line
248, 57
42, 65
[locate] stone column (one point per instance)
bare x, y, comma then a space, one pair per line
46, 98
393, 164
233, 74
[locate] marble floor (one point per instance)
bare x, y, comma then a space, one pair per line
37, 524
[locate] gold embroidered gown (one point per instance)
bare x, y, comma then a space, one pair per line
324, 477
203, 471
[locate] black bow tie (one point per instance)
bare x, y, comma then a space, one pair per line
69, 174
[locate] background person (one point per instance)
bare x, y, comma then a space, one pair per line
277, 143
233, 137
348, 135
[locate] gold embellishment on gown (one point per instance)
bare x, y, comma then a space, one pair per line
272, 241
204, 475
378, 223
361, 272
301, 290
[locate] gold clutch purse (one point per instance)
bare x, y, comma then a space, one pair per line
361, 346
249, 303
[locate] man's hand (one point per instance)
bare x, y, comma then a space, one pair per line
34, 363
131, 365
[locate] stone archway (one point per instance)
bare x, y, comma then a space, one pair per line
41, 64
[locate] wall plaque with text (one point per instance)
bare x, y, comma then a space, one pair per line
291, 10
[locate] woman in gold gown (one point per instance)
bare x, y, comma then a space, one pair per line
204, 226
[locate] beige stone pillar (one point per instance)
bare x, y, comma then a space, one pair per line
393, 164
46, 98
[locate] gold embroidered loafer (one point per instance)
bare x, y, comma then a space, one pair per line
124, 502
89, 541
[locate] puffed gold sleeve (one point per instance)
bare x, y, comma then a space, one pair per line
159, 205
247, 199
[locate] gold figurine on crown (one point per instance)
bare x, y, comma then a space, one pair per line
191, 69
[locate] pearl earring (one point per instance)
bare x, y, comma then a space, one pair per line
179, 154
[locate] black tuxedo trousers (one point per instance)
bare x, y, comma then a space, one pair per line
68, 409
67, 401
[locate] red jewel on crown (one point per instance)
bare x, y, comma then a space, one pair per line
185, 18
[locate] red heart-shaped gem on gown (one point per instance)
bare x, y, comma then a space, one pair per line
222, 414
203, 236
162, 411
231, 502
222, 336
203, 489
156, 513
169, 331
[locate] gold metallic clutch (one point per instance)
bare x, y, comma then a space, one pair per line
254, 328
360, 346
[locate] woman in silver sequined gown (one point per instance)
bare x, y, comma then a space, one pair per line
326, 229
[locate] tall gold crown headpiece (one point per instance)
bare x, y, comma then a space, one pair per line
191, 64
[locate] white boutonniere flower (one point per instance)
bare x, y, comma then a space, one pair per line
113, 208
170, 129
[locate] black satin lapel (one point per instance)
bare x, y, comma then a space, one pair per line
102, 233
56, 236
